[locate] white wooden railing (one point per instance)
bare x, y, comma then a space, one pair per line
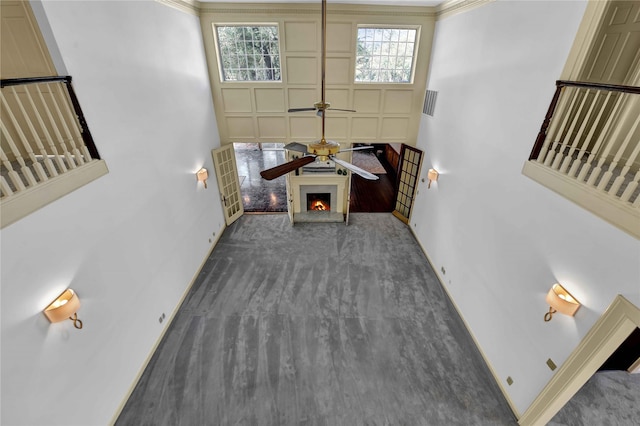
588, 150
43, 137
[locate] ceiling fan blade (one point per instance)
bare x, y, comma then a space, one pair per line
285, 168
338, 109
295, 146
357, 148
300, 109
355, 169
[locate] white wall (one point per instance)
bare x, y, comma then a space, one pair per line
502, 238
128, 243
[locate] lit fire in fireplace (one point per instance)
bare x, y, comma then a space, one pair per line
319, 206
319, 202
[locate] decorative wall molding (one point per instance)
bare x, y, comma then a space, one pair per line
453, 7
311, 9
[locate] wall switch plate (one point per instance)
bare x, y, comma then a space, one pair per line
552, 365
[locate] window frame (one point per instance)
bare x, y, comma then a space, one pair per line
221, 72
414, 56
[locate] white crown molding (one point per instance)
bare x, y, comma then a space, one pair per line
453, 7
444, 10
191, 7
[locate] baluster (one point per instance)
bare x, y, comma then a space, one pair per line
565, 118
560, 155
59, 158
5, 189
13, 175
596, 148
47, 161
75, 159
73, 118
583, 149
627, 166
555, 120
631, 188
585, 122
42, 175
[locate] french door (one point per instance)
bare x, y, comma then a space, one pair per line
408, 173
224, 161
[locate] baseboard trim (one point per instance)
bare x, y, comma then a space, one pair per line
166, 327
473, 337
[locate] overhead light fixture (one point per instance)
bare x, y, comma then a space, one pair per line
560, 300
202, 175
64, 307
432, 175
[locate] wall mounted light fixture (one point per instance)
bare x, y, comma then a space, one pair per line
432, 175
65, 306
202, 175
560, 300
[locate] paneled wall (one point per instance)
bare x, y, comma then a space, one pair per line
257, 111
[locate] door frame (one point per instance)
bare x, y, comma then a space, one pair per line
606, 335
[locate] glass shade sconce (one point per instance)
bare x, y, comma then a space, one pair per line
560, 300
202, 175
432, 175
64, 307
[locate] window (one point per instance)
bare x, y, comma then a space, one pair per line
249, 53
385, 55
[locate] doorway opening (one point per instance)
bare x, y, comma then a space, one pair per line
377, 196
260, 195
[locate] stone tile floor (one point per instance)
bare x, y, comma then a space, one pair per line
259, 195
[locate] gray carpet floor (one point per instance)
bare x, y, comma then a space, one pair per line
316, 324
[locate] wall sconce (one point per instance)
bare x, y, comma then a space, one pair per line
202, 175
65, 306
560, 300
432, 175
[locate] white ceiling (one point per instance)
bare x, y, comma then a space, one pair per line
372, 2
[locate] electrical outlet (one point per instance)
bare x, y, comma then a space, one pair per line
161, 318
509, 381
443, 271
552, 365
210, 240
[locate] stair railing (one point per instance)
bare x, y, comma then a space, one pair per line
44, 132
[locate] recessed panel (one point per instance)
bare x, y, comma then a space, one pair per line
236, 100
240, 127
338, 71
336, 128
302, 98
339, 37
272, 127
363, 127
269, 100
394, 128
300, 36
338, 98
303, 127
398, 101
302, 70
366, 100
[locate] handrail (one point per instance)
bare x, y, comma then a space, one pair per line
31, 80
66, 79
537, 146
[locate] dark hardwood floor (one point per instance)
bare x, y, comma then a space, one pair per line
374, 196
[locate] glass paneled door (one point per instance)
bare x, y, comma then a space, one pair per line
408, 172
224, 161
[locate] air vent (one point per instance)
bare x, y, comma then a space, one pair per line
430, 102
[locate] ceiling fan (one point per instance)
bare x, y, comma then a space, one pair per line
323, 149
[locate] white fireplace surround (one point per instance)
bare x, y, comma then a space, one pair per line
318, 189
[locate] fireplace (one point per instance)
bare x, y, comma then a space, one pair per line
318, 198
320, 202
